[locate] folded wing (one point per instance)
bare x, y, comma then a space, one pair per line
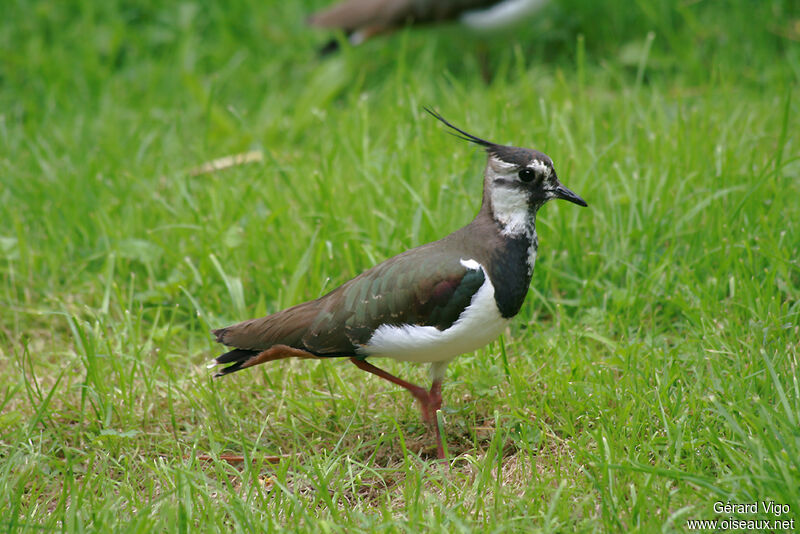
412, 288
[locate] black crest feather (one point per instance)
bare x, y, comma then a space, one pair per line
509, 154
463, 135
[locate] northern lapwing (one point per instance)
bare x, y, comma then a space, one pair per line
362, 19
428, 304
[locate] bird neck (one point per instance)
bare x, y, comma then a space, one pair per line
508, 259
511, 211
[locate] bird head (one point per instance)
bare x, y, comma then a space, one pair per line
517, 181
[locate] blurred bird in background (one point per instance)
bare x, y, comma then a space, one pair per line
363, 19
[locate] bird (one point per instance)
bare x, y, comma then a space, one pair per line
362, 19
428, 304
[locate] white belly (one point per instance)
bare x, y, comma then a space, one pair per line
479, 324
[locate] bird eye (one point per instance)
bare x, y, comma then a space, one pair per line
526, 174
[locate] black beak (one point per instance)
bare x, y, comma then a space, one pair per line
565, 194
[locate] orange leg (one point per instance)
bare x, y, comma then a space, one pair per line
429, 401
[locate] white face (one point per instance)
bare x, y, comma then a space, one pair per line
517, 192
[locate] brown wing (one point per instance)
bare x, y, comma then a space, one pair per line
412, 288
286, 327
352, 15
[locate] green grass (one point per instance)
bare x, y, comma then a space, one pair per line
652, 371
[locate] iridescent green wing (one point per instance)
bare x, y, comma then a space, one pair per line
412, 288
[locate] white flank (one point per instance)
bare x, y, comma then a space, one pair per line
478, 324
510, 209
502, 14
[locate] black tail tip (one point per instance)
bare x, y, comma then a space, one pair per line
228, 370
238, 357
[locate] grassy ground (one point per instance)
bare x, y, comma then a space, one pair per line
652, 371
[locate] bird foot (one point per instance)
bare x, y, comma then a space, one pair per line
429, 401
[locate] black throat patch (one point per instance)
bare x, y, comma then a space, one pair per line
510, 274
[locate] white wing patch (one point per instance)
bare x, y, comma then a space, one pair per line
478, 324
472, 265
